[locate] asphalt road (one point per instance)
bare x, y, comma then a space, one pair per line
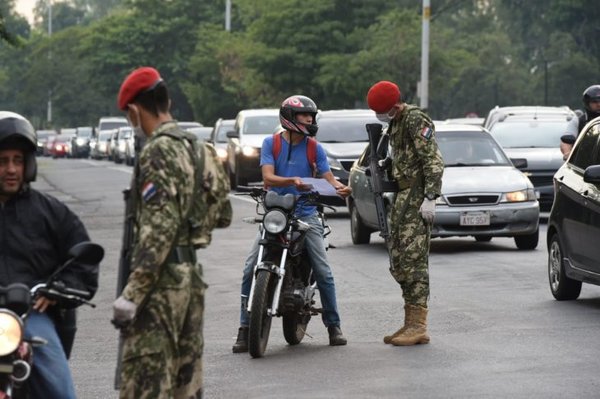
496, 331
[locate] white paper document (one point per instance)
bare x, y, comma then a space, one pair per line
321, 186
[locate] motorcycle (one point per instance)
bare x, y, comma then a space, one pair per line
16, 303
283, 284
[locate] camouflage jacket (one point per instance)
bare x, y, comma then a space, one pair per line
415, 151
164, 194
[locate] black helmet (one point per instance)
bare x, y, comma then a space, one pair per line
17, 132
591, 93
297, 105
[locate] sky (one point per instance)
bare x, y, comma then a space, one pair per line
25, 7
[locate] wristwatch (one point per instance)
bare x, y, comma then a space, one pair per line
431, 196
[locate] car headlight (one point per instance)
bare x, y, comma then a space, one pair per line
275, 221
221, 153
519, 196
11, 332
334, 164
440, 201
80, 141
249, 151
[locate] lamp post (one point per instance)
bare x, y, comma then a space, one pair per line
424, 86
227, 15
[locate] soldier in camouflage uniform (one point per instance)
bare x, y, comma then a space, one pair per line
417, 168
163, 300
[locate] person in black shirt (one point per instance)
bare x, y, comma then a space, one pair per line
591, 102
36, 233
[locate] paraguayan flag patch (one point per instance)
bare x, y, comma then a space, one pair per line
426, 132
148, 191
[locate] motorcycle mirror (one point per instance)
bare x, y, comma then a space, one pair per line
86, 252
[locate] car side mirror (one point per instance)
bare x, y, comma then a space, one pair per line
87, 252
519, 163
592, 174
232, 134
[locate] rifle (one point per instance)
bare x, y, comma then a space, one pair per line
379, 164
125, 266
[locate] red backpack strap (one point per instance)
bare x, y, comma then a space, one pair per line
311, 154
276, 145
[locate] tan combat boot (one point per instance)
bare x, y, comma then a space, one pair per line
416, 330
388, 338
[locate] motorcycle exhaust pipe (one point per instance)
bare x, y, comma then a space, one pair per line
21, 370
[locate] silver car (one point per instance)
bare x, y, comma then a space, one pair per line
483, 194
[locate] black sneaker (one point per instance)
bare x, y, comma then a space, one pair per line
241, 344
336, 337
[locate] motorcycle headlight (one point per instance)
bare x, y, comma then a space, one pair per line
11, 332
275, 222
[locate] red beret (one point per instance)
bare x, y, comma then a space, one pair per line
382, 96
140, 80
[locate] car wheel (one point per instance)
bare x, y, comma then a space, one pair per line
562, 287
529, 241
483, 238
360, 233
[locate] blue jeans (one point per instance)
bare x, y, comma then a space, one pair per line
50, 374
317, 255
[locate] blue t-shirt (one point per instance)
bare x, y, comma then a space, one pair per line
296, 165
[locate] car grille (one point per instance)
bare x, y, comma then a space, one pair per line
473, 199
347, 164
540, 180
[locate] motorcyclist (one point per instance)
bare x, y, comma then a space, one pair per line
591, 103
37, 233
283, 174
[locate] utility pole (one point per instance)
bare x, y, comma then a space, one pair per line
424, 86
227, 15
49, 59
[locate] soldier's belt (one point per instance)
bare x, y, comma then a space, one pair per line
182, 255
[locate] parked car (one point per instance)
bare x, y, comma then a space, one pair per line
124, 146
574, 224
42, 139
49, 145
70, 133
100, 149
202, 133
218, 137
245, 141
108, 124
533, 134
80, 143
61, 145
466, 121
189, 125
483, 194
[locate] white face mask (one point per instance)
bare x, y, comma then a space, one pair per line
386, 118
137, 130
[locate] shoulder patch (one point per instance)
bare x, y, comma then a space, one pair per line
148, 191
426, 132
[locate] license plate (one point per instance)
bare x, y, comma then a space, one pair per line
475, 219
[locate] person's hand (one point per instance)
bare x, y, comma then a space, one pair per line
123, 310
427, 210
343, 191
42, 303
300, 186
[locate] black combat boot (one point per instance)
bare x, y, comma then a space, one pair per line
335, 336
241, 344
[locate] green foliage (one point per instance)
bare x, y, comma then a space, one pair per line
482, 53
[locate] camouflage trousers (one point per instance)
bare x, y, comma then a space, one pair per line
162, 352
408, 247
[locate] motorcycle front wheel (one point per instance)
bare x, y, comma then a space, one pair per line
294, 327
260, 321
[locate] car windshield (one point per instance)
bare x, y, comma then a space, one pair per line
530, 134
84, 132
264, 124
112, 125
104, 136
124, 133
343, 130
63, 139
201, 133
222, 132
470, 149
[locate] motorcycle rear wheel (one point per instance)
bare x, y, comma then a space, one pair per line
260, 321
294, 327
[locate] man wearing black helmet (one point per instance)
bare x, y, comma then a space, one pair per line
282, 172
591, 102
37, 233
